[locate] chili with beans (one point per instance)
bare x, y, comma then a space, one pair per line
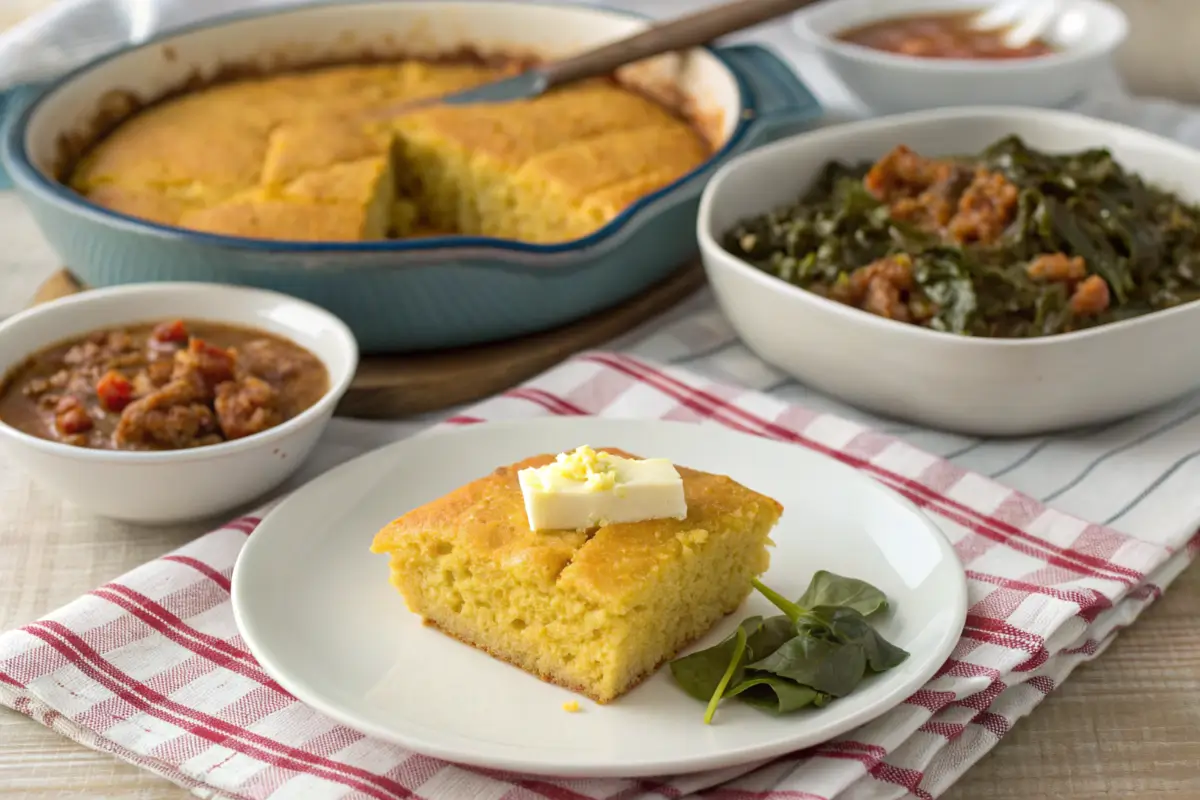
166, 386
940, 36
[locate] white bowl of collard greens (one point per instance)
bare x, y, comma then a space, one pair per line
1015, 271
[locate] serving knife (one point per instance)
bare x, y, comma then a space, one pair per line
682, 33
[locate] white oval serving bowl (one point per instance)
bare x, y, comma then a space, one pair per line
987, 387
1086, 34
179, 485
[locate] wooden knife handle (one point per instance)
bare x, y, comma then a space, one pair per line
678, 34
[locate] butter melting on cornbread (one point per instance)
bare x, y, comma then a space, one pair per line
585, 488
303, 156
595, 611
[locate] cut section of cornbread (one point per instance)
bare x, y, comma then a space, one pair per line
594, 611
344, 202
225, 159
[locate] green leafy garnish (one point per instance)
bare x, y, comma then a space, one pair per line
827, 589
822, 664
820, 648
773, 694
700, 674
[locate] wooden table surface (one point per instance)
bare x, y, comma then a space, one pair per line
1126, 725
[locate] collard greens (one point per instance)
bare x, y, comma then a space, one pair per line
1142, 240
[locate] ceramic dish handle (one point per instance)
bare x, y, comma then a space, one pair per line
692, 30
782, 104
12, 101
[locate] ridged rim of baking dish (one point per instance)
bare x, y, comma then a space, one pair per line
12, 147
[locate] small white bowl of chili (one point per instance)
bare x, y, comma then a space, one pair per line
911, 55
168, 402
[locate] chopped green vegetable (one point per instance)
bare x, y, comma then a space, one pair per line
819, 649
1143, 242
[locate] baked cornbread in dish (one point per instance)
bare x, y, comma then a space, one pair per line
595, 611
309, 155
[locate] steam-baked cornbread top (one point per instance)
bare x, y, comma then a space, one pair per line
487, 517
306, 155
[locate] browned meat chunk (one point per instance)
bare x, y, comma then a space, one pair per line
922, 191
247, 407
900, 173
203, 362
1057, 267
882, 287
985, 209
173, 417
1090, 297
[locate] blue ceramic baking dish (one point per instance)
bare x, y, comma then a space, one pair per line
400, 296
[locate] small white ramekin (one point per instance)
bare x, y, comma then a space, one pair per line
180, 485
1086, 34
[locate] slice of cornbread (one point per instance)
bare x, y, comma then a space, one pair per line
353, 201
298, 148
594, 611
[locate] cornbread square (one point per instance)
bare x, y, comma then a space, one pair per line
352, 201
313, 145
594, 611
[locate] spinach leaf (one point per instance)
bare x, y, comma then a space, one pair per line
819, 649
852, 629
828, 589
772, 634
831, 667
774, 694
700, 673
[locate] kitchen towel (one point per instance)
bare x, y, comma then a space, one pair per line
151, 668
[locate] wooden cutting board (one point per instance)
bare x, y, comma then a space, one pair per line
387, 387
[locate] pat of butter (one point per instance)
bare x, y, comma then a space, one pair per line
585, 489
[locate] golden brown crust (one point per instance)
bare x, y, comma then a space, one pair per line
487, 516
233, 146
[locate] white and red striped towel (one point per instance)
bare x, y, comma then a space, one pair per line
151, 668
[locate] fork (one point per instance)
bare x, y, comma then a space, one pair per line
1026, 20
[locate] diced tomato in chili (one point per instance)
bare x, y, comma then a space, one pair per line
114, 390
171, 332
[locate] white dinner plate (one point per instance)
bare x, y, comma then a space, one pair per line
317, 610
